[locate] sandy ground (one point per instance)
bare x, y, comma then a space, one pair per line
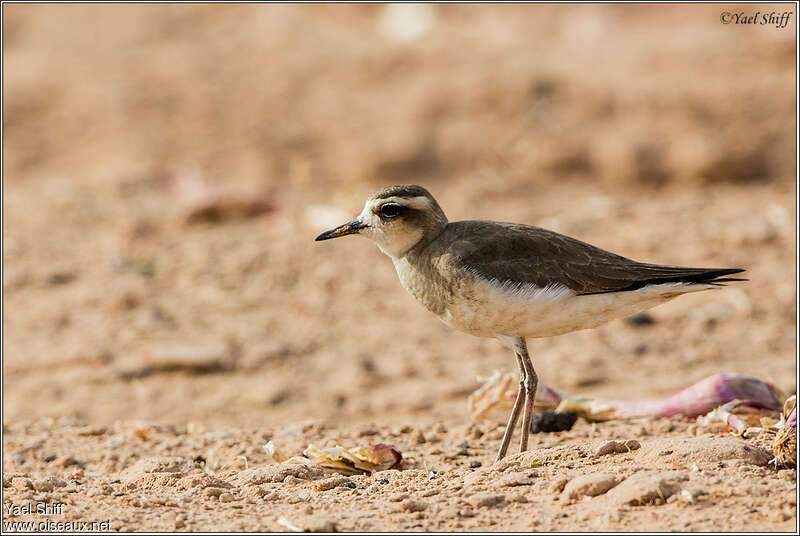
151, 349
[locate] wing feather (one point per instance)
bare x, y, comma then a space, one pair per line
519, 254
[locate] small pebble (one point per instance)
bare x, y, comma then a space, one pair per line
515, 479
316, 523
68, 461
411, 505
640, 320
42, 485
486, 499
646, 488
612, 446
518, 498
21, 483
588, 485
558, 485
330, 483
213, 492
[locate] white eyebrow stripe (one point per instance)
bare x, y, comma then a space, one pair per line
419, 202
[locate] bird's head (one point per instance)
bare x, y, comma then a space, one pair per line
396, 218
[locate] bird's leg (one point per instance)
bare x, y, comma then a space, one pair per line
512, 419
531, 383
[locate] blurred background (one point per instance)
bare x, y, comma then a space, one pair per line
166, 168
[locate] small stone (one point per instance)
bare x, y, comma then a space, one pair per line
367, 430
640, 320
316, 523
68, 461
213, 492
60, 278
330, 483
486, 499
190, 356
42, 485
93, 430
612, 446
558, 485
278, 473
588, 485
646, 488
225, 497
55, 482
518, 498
515, 479
475, 477
398, 497
701, 451
419, 437
474, 464
21, 483
504, 465
411, 505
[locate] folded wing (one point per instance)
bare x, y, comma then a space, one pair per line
520, 254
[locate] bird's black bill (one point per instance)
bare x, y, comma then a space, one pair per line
350, 227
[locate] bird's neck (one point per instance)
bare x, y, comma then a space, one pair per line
418, 250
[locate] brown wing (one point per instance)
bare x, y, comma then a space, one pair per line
520, 254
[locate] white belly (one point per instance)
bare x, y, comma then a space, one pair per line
531, 312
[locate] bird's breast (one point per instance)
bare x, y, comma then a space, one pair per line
452, 298
423, 283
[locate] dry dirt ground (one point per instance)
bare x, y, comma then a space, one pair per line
151, 348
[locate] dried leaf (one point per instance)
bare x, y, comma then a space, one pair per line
356, 460
274, 452
365, 459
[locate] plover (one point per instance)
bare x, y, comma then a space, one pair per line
512, 281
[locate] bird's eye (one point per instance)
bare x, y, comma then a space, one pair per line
391, 210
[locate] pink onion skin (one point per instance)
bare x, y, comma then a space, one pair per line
547, 396
382, 450
703, 397
791, 422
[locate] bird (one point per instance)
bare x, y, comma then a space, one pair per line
512, 281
